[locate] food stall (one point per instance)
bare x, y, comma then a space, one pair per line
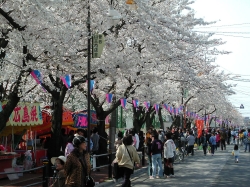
17, 132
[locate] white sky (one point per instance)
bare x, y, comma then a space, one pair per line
231, 12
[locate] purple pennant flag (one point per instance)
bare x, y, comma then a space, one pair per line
170, 109
37, 76
136, 103
165, 106
156, 106
181, 108
92, 85
147, 105
66, 81
123, 103
176, 111
109, 97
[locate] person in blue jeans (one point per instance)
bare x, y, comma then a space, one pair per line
156, 156
149, 152
212, 141
247, 143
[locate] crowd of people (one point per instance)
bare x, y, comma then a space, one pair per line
73, 166
160, 146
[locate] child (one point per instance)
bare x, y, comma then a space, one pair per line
236, 152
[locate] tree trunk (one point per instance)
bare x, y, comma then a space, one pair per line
101, 116
149, 118
57, 108
13, 100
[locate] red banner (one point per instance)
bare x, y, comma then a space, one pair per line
200, 126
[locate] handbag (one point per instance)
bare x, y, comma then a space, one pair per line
131, 160
209, 148
90, 181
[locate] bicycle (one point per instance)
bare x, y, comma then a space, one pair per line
179, 155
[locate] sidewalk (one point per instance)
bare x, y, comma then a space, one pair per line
196, 171
199, 170
29, 178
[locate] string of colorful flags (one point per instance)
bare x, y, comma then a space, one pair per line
169, 108
36, 74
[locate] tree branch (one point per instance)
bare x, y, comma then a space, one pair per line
11, 20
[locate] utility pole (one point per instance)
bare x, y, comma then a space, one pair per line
181, 116
88, 69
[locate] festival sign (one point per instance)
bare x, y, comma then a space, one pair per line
81, 119
26, 114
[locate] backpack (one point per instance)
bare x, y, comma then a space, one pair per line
222, 136
241, 135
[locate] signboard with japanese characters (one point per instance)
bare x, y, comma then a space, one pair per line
97, 45
26, 114
81, 119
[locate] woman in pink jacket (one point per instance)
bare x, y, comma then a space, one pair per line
217, 138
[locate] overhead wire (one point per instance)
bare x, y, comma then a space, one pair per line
221, 34
237, 24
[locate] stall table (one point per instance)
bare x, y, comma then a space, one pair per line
40, 155
6, 162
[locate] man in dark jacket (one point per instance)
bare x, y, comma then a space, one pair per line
149, 152
95, 150
156, 156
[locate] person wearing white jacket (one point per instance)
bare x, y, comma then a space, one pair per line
169, 148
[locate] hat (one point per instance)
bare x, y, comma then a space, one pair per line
62, 158
78, 140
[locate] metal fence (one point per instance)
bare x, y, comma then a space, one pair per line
46, 179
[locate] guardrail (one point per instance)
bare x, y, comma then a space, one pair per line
45, 178
45, 167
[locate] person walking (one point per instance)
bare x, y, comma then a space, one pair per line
69, 147
236, 153
77, 166
127, 156
223, 137
190, 142
156, 156
149, 152
217, 138
82, 132
95, 150
118, 140
212, 141
204, 141
169, 148
246, 140
228, 136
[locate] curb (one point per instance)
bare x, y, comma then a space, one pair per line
110, 183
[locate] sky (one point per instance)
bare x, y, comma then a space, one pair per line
233, 26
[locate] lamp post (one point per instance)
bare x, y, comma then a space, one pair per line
115, 17
88, 69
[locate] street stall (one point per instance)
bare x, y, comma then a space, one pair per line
17, 132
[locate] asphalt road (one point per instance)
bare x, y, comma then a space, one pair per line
201, 171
